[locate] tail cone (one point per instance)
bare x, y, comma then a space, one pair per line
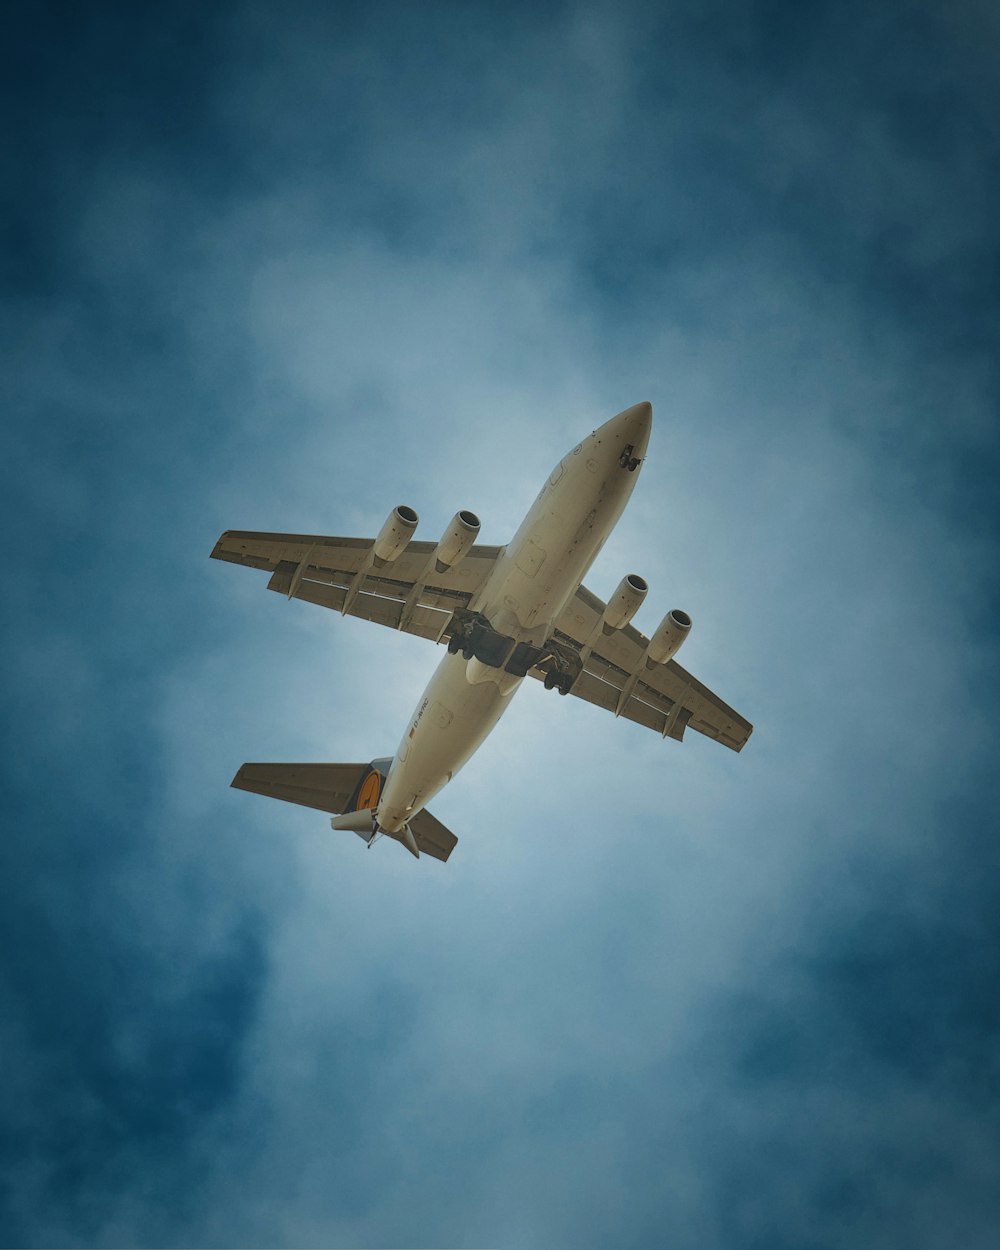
362, 821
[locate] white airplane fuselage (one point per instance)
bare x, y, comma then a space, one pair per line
532, 582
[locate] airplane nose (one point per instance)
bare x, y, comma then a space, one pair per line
631, 426
641, 421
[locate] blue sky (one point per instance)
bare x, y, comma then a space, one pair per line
283, 268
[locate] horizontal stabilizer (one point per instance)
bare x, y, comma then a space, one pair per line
432, 837
327, 787
331, 788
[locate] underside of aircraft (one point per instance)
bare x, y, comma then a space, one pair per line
502, 613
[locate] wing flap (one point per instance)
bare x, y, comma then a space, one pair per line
603, 694
425, 621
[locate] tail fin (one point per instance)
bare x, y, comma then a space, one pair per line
341, 789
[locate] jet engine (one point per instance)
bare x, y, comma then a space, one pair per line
624, 603
394, 535
670, 633
456, 540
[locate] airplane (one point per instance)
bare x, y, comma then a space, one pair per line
504, 613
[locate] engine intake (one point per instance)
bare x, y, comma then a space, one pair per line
457, 540
394, 535
624, 603
669, 637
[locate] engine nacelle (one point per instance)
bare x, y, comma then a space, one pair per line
624, 603
670, 634
395, 534
456, 541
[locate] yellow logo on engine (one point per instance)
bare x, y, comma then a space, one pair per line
371, 788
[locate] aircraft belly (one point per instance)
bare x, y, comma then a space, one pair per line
546, 560
451, 721
501, 617
533, 580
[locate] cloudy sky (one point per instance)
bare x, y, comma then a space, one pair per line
283, 267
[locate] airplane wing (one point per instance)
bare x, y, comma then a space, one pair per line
408, 594
664, 697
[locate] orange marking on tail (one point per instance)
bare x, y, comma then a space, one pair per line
371, 789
